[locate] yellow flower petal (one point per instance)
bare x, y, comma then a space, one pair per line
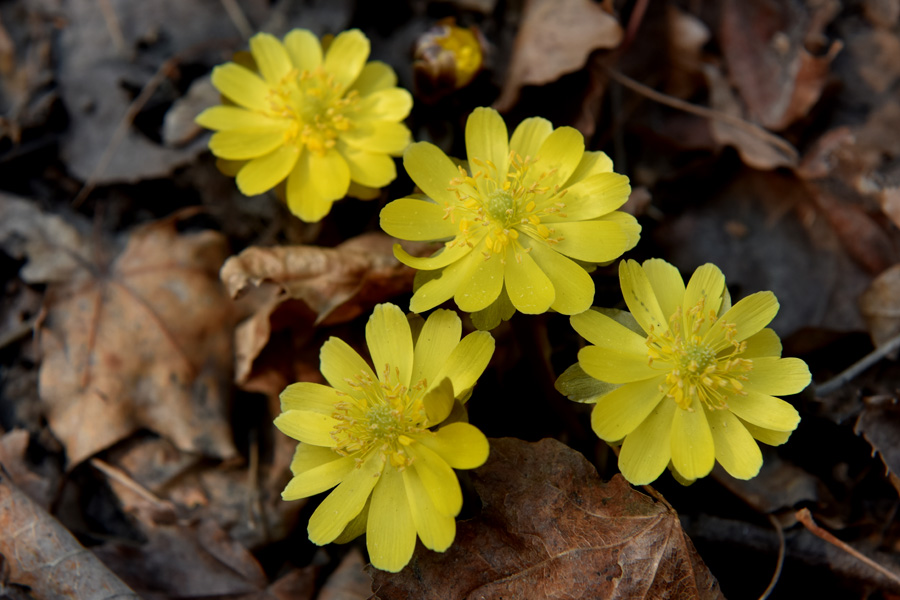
346, 56
444, 257
307, 426
265, 172
303, 196
467, 361
482, 285
392, 104
778, 376
271, 58
736, 450
307, 457
640, 297
559, 154
573, 286
693, 450
356, 527
647, 450
622, 410
370, 169
767, 436
331, 175
319, 479
442, 287
628, 224
432, 171
529, 288
309, 396
439, 479
345, 501
764, 411
439, 401
529, 135
390, 343
592, 163
439, 336
362, 192
243, 145
304, 49
591, 241
750, 315
390, 532
602, 330
242, 86
462, 445
339, 362
436, 530
706, 283
378, 136
374, 77
667, 284
235, 118
617, 363
764, 343
416, 220
593, 197
487, 141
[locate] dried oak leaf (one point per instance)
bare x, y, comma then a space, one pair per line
139, 340
555, 38
42, 555
550, 528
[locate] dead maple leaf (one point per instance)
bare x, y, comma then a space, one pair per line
42, 555
550, 528
555, 38
139, 340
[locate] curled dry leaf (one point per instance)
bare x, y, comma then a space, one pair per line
41, 554
555, 38
312, 286
550, 528
134, 339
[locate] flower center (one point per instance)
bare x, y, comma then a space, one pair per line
498, 206
316, 106
695, 370
378, 417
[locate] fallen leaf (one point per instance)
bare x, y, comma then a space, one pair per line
780, 485
349, 581
550, 528
880, 305
41, 554
763, 45
555, 37
138, 337
39, 487
879, 424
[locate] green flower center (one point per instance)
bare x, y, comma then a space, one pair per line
379, 416
497, 207
317, 107
695, 371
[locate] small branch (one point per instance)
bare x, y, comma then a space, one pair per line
702, 111
803, 515
780, 562
237, 16
845, 376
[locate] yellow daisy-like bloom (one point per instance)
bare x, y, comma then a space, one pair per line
327, 122
521, 225
376, 437
696, 377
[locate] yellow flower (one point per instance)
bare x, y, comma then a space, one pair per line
521, 226
374, 437
327, 123
695, 378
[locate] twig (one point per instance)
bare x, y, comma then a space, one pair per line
702, 111
237, 16
122, 129
780, 562
120, 476
112, 25
803, 515
634, 22
836, 382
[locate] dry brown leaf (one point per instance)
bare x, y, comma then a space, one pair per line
550, 528
763, 44
13, 446
555, 38
879, 423
141, 339
880, 305
43, 555
349, 581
